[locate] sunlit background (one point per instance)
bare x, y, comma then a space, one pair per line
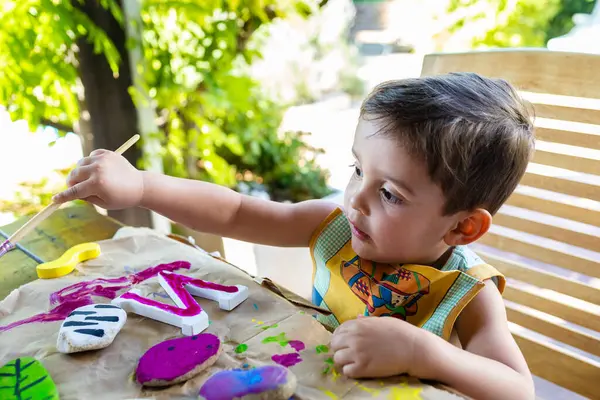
261, 96
318, 60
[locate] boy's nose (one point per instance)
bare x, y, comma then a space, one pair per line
359, 202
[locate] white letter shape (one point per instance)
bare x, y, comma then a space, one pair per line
188, 315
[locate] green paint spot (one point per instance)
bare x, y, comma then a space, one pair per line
264, 328
329, 360
281, 339
241, 348
326, 370
322, 349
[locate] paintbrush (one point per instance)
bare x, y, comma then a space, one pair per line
30, 225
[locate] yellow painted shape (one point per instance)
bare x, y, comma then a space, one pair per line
66, 263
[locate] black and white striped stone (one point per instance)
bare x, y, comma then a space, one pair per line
90, 328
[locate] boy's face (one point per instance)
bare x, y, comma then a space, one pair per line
394, 208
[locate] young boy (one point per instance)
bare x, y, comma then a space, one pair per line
436, 157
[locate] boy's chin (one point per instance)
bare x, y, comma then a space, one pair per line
364, 249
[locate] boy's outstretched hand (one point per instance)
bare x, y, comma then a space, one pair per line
377, 347
106, 179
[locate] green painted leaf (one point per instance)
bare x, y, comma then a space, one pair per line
26, 378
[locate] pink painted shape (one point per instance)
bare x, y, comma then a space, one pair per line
80, 294
178, 283
173, 358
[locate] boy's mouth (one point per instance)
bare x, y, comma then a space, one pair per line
358, 233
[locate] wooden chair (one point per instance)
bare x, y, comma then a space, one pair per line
546, 240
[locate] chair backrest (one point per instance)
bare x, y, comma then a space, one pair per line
546, 239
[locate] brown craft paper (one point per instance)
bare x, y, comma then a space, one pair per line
108, 373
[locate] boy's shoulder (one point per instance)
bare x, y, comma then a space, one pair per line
465, 260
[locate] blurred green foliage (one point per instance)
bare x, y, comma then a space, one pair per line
520, 23
214, 122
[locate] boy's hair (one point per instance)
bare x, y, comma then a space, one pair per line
474, 133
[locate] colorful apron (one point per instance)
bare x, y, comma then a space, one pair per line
431, 298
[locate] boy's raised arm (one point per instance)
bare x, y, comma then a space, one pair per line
110, 181
215, 209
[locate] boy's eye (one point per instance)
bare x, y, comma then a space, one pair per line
389, 197
357, 170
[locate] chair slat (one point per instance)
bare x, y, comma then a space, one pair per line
555, 184
556, 208
588, 318
543, 254
547, 325
533, 70
520, 271
555, 364
578, 239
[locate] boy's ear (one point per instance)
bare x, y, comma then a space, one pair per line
469, 229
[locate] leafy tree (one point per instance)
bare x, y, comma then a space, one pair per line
67, 64
521, 23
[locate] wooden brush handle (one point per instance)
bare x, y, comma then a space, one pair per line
49, 209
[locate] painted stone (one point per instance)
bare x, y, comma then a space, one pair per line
270, 382
177, 360
90, 327
26, 378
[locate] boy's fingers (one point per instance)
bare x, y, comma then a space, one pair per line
79, 174
78, 191
98, 152
343, 357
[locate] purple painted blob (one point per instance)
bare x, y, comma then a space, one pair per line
176, 357
297, 345
230, 384
80, 294
287, 360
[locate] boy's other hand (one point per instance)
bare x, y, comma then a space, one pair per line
105, 179
370, 347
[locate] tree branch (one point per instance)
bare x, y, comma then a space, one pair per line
56, 125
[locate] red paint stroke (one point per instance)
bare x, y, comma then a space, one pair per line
80, 294
287, 360
297, 345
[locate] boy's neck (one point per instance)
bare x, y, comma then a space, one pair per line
443, 259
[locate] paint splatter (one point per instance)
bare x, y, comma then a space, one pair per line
255, 306
161, 295
322, 349
264, 328
287, 360
328, 366
80, 294
241, 348
374, 392
330, 394
257, 322
405, 393
297, 345
281, 339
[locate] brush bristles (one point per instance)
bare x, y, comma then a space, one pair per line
6, 247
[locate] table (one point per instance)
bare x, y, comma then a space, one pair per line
265, 323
